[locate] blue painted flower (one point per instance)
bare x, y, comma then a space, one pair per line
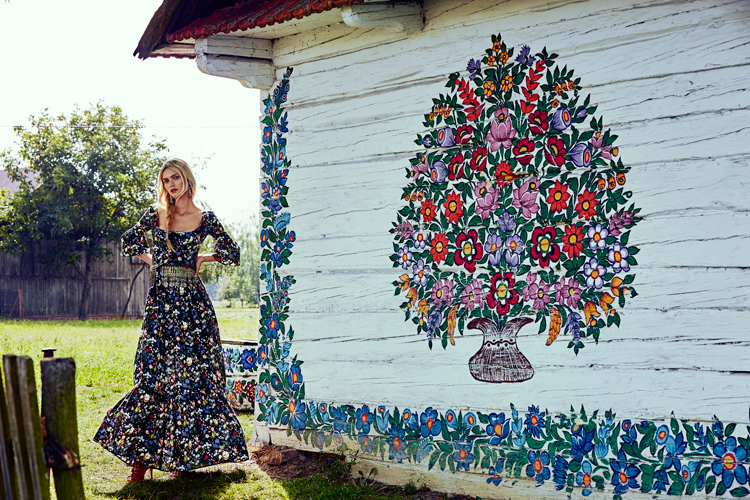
495, 470
295, 377
506, 222
474, 67
700, 482
582, 443
265, 189
269, 106
281, 156
277, 253
688, 470
429, 423
519, 433
623, 475
272, 412
247, 359
264, 238
410, 419
297, 414
470, 420
320, 439
263, 355
446, 137
537, 468
433, 323
583, 478
274, 206
462, 454
498, 428
275, 382
323, 412
580, 155
281, 221
675, 447
424, 450
261, 393
560, 473
290, 238
601, 449
364, 419
662, 433
699, 438
365, 443
535, 421
629, 435
381, 419
339, 418
450, 419
272, 326
267, 135
729, 464
284, 123
561, 119
661, 480
438, 172
396, 444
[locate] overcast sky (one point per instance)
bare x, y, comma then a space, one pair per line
62, 53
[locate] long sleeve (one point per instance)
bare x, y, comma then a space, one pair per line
226, 251
134, 240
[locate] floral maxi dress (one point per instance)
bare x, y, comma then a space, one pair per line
176, 417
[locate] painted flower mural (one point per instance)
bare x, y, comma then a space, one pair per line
522, 212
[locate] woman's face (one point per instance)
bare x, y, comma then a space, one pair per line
172, 181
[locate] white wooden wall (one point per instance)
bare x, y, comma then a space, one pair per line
670, 78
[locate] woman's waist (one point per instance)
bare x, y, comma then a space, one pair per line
174, 275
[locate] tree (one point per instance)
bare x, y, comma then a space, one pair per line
513, 214
242, 283
85, 179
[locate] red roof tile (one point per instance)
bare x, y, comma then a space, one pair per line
254, 14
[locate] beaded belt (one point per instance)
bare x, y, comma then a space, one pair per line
174, 276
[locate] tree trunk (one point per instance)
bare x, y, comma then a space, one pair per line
84, 308
130, 293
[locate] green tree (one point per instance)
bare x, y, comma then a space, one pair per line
85, 179
242, 283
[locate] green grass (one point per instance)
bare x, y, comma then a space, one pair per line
103, 351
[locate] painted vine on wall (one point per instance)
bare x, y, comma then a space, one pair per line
579, 452
531, 208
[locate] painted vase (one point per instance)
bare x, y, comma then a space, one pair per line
499, 359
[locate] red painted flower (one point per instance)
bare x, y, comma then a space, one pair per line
543, 247
587, 203
504, 174
502, 295
555, 151
538, 122
454, 208
439, 248
428, 211
469, 250
478, 159
558, 197
456, 167
573, 241
524, 151
464, 134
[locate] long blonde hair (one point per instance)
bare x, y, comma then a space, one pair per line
164, 199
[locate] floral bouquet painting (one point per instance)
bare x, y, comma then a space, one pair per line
515, 212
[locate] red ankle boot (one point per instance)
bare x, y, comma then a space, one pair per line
138, 473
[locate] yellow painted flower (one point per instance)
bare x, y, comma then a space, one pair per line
601, 184
497, 46
555, 103
621, 179
611, 183
491, 61
489, 88
503, 57
411, 295
506, 83
571, 85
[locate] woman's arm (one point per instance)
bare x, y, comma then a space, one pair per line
202, 259
147, 258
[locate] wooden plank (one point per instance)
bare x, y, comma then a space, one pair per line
59, 411
9, 484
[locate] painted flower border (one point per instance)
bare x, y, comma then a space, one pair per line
577, 451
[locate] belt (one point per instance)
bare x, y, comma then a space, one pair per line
174, 276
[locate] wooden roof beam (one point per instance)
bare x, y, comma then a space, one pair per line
406, 16
247, 60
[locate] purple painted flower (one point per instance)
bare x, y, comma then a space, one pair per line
561, 119
597, 139
506, 222
492, 246
580, 155
618, 257
501, 131
619, 221
583, 113
513, 247
536, 292
420, 271
405, 256
404, 229
525, 57
420, 239
442, 292
594, 273
474, 68
446, 137
427, 141
472, 296
438, 172
597, 237
524, 198
568, 292
487, 200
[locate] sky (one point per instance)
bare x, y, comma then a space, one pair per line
62, 54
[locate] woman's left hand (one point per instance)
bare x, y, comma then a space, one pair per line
201, 259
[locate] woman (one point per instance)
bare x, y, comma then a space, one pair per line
176, 417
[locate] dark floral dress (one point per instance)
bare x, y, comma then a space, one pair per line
176, 417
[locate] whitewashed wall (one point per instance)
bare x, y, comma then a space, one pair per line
670, 78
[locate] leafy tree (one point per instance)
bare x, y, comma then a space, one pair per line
85, 178
242, 283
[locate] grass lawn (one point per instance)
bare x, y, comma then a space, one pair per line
103, 351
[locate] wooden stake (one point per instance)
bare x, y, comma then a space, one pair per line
59, 413
9, 484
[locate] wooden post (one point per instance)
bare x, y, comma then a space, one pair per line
9, 484
25, 428
59, 413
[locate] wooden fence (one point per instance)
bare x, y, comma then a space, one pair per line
29, 444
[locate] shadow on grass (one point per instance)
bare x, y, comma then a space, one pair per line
198, 486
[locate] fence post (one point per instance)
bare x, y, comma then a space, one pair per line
9, 485
25, 427
59, 414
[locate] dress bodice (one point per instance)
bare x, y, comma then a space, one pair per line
186, 243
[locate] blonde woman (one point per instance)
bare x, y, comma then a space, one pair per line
176, 417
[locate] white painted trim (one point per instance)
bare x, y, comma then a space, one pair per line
247, 60
404, 16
